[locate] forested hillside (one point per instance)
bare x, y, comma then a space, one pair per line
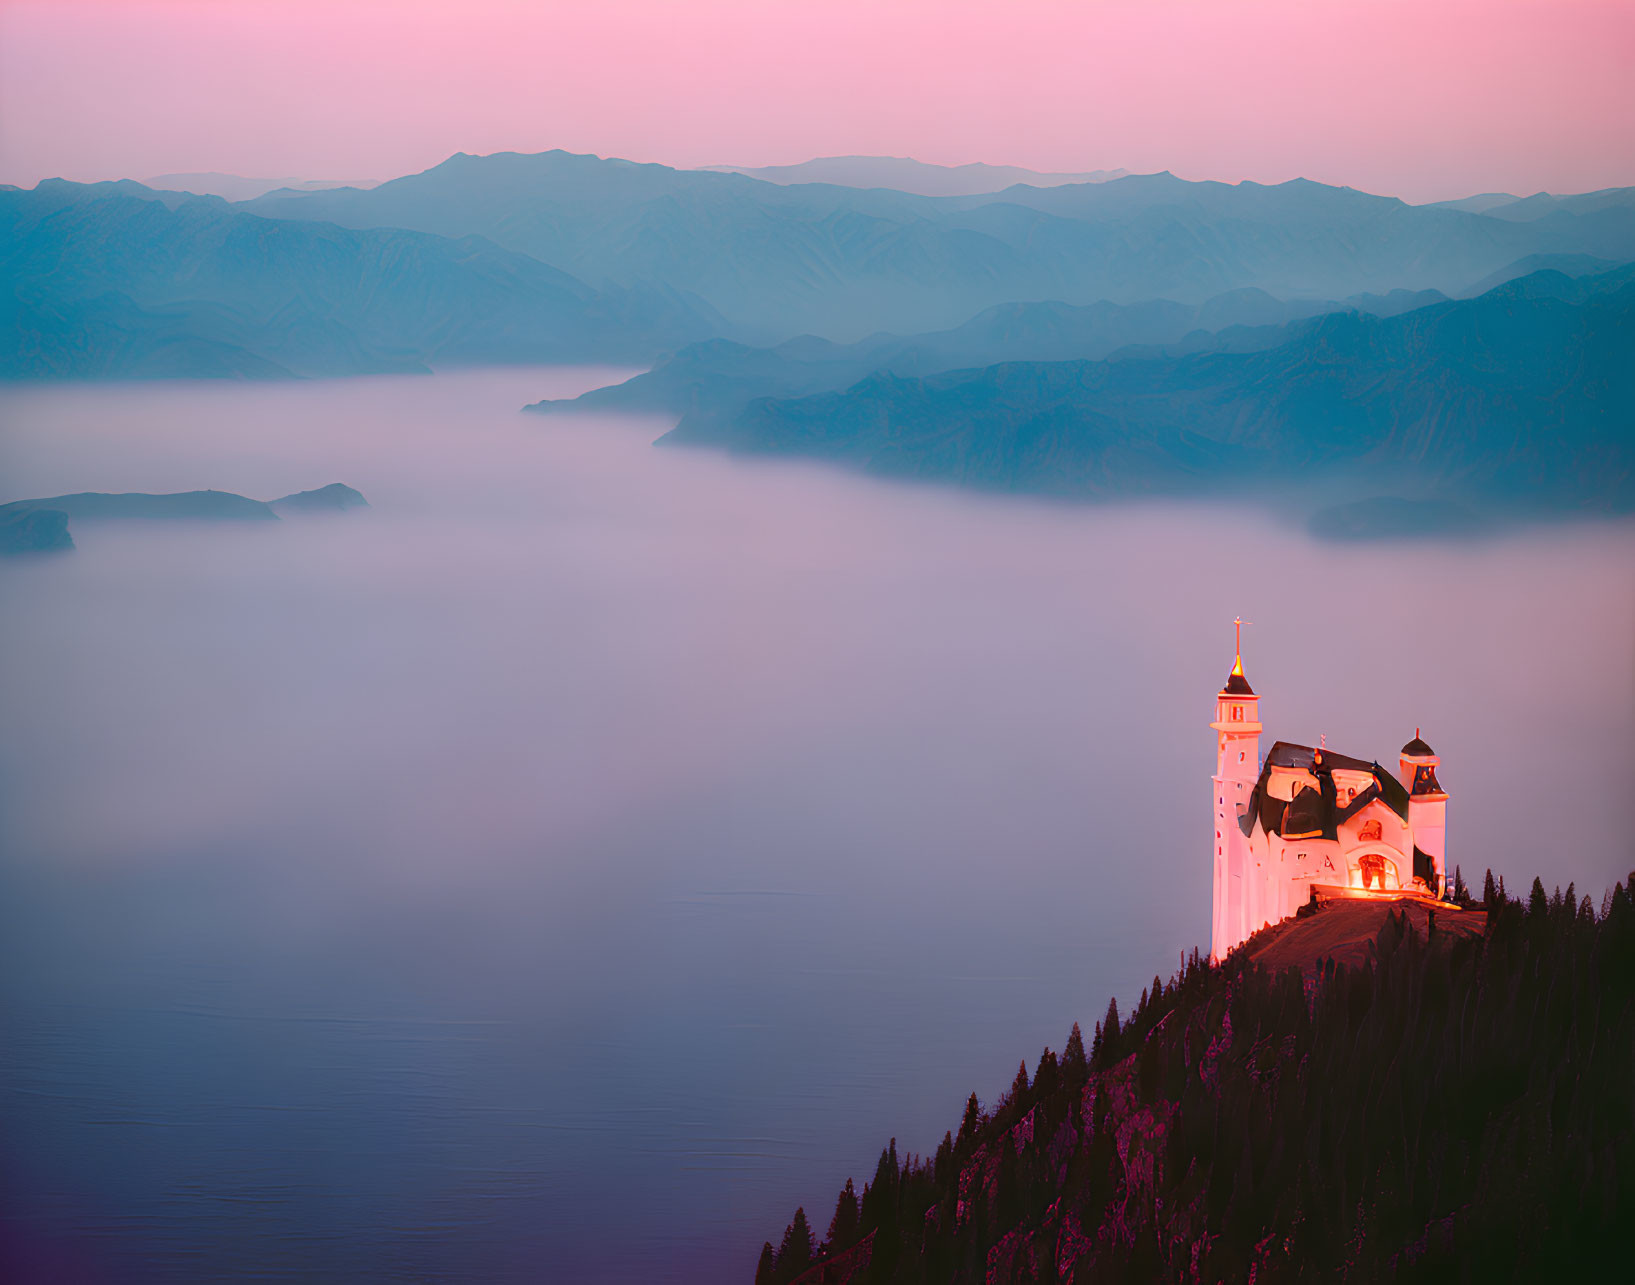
1458, 1105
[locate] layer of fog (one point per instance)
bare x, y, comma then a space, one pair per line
590, 852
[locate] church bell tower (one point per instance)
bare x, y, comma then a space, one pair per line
1237, 767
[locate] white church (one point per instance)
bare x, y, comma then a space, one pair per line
1308, 816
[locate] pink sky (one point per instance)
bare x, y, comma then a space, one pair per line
1425, 100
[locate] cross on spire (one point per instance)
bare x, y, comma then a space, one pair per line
1237, 663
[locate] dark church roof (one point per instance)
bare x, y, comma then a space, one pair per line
1288, 754
1317, 813
1237, 684
1417, 747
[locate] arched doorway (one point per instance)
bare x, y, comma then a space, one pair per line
1377, 867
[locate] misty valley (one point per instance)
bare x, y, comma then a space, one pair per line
585, 852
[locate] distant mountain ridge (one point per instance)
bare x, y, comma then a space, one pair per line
719, 375
117, 281
1525, 394
777, 261
903, 174
236, 187
563, 257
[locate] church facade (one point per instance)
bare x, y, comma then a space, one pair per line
1305, 816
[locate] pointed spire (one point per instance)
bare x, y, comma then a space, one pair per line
1236, 683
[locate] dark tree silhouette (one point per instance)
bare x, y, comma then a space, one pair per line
1456, 1108
795, 1254
1074, 1064
843, 1226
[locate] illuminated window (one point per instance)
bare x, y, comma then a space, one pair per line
1240, 759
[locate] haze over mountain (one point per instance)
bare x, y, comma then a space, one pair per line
563, 257
114, 280
719, 375
1523, 395
236, 187
781, 260
903, 174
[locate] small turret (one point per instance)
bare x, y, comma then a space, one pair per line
1427, 812
1418, 772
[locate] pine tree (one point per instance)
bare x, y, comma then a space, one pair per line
795, 1254
1490, 892
1073, 1061
1019, 1086
969, 1126
1047, 1076
843, 1226
1538, 902
1109, 1032
767, 1271
1461, 894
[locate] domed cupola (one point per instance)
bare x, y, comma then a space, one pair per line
1419, 762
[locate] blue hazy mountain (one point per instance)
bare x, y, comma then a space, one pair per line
1608, 202
1525, 393
902, 174
783, 260
1572, 265
1481, 203
103, 506
334, 498
29, 531
114, 280
42, 525
236, 187
720, 375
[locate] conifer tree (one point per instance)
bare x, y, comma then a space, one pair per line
969, 1125
766, 1273
795, 1254
1109, 1032
1538, 903
1073, 1060
843, 1226
1019, 1086
1047, 1075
